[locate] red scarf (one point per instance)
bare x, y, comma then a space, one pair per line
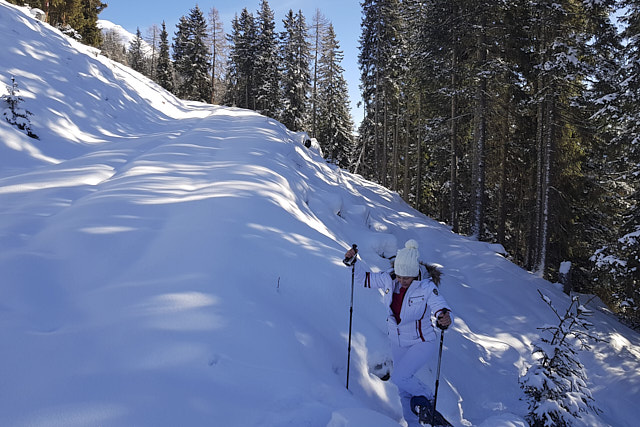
396, 303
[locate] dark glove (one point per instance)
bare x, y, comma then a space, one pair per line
443, 319
351, 256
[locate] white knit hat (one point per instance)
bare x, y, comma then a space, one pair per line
406, 262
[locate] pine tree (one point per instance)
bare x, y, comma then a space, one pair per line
181, 59
136, 55
243, 55
367, 140
164, 71
296, 81
190, 56
335, 126
268, 76
14, 114
88, 26
555, 385
319, 28
231, 93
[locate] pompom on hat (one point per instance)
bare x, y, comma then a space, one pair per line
406, 263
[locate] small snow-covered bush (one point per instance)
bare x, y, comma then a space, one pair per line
555, 386
14, 114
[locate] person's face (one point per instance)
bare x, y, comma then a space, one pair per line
405, 281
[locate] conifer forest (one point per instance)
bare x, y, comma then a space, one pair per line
514, 122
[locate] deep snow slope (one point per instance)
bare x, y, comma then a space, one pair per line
170, 263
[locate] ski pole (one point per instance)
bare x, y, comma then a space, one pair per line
435, 396
350, 262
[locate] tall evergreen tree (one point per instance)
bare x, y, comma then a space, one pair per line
136, 54
319, 27
190, 54
267, 57
243, 55
335, 125
231, 93
164, 69
296, 81
180, 52
88, 25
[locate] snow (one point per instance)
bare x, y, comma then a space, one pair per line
173, 263
565, 267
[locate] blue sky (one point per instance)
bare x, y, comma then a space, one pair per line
345, 15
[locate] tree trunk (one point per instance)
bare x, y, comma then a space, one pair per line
396, 134
419, 150
385, 132
533, 247
213, 67
502, 191
376, 132
406, 180
549, 136
454, 146
480, 132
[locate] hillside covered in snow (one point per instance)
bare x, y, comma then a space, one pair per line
171, 263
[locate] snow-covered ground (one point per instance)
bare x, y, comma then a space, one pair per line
167, 263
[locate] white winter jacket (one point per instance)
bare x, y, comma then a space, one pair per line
421, 302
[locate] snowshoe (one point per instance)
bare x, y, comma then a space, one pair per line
423, 408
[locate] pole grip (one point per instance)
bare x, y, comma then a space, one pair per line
444, 311
350, 261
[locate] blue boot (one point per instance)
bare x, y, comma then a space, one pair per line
422, 407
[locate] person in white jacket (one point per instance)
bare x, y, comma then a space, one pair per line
412, 304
